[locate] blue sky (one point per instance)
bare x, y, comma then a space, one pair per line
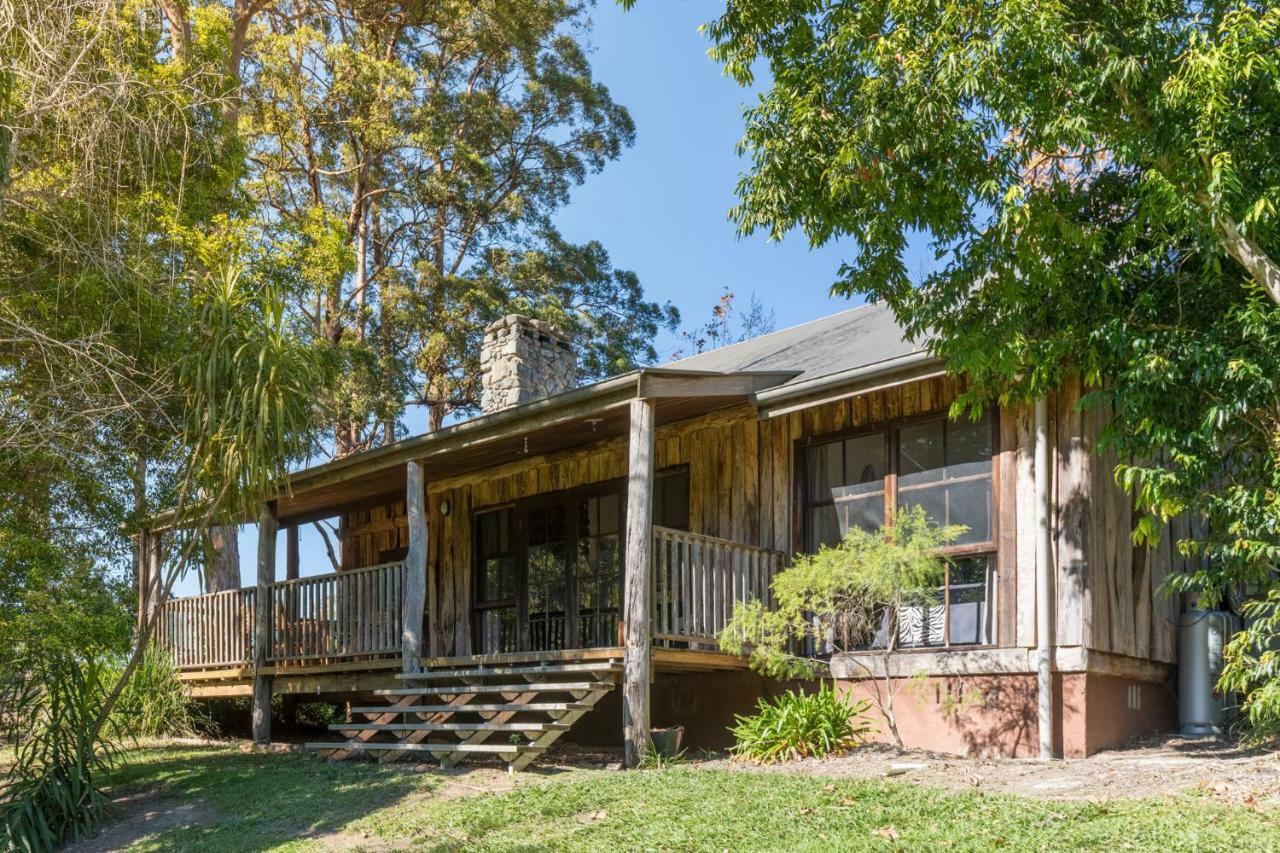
661, 209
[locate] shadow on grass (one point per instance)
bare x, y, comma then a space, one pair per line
248, 801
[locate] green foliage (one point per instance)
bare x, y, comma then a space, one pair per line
53, 702
845, 591
54, 595
155, 703
802, 725
250, 388
655, 759
409, 175
1253, 667
1092, 182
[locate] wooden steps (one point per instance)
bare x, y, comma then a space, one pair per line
541, 686
490, 672
510, 707
542, 701
450, 727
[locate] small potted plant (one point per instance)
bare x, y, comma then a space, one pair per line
667, 742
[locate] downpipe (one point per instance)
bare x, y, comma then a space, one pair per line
1044, 580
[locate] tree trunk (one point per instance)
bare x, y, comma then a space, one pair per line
224, 570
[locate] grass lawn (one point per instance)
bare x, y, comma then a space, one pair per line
298, 802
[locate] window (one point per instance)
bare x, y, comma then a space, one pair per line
598, 571
671, 499
941, 465
846, 480
945, 467
497, 581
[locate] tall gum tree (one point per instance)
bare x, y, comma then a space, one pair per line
408, 159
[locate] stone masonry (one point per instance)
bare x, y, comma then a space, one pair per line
523, 359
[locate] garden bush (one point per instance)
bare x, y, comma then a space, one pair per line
50, 793
155, 703
802, 725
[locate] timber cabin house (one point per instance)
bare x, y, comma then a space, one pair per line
566, 558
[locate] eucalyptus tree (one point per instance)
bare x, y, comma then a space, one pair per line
408, 160
1098, 183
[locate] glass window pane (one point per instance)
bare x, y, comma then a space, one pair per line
920, 456
498, 631
969, 441
556, 524
969, 503
824, 528
671, 500
968, 598
825, 467
866, 513
932, 498
608, 562
488, 533
864, 460
608, 514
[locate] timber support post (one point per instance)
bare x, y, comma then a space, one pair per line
148, 571
637, 596
415, 569
267, 527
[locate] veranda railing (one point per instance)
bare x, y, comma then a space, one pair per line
696, 580
209, 630
336, 615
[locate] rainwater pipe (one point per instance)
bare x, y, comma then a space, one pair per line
1044, 580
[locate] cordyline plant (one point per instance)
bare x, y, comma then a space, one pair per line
845, 597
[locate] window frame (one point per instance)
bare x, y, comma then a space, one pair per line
891, 427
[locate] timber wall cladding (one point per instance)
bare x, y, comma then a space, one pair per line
366, 534
1109, 590
740, 485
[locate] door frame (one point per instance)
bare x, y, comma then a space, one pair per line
520, 509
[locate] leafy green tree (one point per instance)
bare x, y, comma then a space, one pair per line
408, 162
1096, 183
845, 598
141, 365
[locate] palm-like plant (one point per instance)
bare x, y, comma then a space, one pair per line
247, 397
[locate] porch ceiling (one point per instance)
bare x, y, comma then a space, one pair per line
575, 419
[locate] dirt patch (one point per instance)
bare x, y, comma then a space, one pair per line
1151, 768
140, 815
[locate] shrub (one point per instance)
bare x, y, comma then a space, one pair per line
155, 703
51, 795
802, 725
841, 598
1253, 668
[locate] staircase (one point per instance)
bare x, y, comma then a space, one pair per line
514, 713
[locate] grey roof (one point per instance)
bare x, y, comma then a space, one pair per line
852, 339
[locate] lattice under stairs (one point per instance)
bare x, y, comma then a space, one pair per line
514, 713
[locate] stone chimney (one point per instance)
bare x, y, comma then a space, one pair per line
522, 360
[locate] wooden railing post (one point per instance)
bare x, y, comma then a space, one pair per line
637, 597
267, 527
415, 569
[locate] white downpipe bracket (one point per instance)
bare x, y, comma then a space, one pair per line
1044, 579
